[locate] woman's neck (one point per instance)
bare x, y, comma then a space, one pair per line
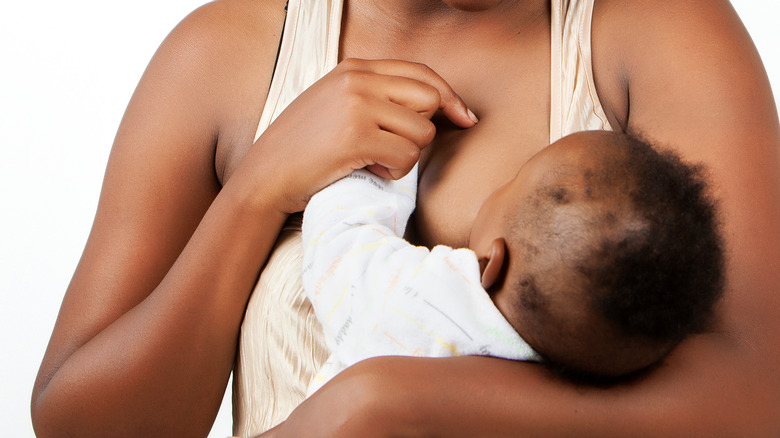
418, 7
400, 28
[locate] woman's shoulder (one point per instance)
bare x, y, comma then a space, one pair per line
639, 38
616, 14
644, 22
230, 38
239, 21
227, 50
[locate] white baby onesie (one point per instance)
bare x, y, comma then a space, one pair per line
376, 294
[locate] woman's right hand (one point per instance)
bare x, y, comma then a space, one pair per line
157, 300
364, 113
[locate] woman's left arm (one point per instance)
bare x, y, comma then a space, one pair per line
695, 82
691, 79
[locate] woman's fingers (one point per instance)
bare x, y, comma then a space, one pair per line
394, 159
410, 93
449, 102
381, 121
405, 122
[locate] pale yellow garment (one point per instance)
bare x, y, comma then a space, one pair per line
281, 343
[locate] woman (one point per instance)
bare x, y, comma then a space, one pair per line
190, 208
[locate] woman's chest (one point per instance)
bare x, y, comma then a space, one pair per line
505, 79
462, 167
510, 94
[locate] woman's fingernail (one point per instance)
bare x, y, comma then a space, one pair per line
472, 116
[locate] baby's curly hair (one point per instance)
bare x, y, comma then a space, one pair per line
661, 284
632, 238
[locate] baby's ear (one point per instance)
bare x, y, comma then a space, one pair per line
493, 265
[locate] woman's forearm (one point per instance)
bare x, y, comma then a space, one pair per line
146, 335
161, 368
723, 383
479, 396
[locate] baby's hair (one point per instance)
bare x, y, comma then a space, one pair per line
663, 284
633, 237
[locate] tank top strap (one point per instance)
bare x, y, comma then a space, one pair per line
574, 104
308, 51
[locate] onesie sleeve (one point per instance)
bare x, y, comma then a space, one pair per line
352, 240
376, 294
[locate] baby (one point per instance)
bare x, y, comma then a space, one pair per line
598, 258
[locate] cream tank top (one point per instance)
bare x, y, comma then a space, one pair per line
281, 344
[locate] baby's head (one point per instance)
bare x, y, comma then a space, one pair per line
602, 252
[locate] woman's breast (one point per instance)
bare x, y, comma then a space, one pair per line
462, 167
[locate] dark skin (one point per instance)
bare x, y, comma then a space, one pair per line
157, 299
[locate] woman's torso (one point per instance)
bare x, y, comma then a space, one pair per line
500, 63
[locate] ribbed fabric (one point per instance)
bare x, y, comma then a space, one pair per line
281, 344
574, 104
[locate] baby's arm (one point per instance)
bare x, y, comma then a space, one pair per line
376, 294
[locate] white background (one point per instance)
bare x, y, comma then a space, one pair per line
67, 70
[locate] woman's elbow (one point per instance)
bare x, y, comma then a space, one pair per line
42, 415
